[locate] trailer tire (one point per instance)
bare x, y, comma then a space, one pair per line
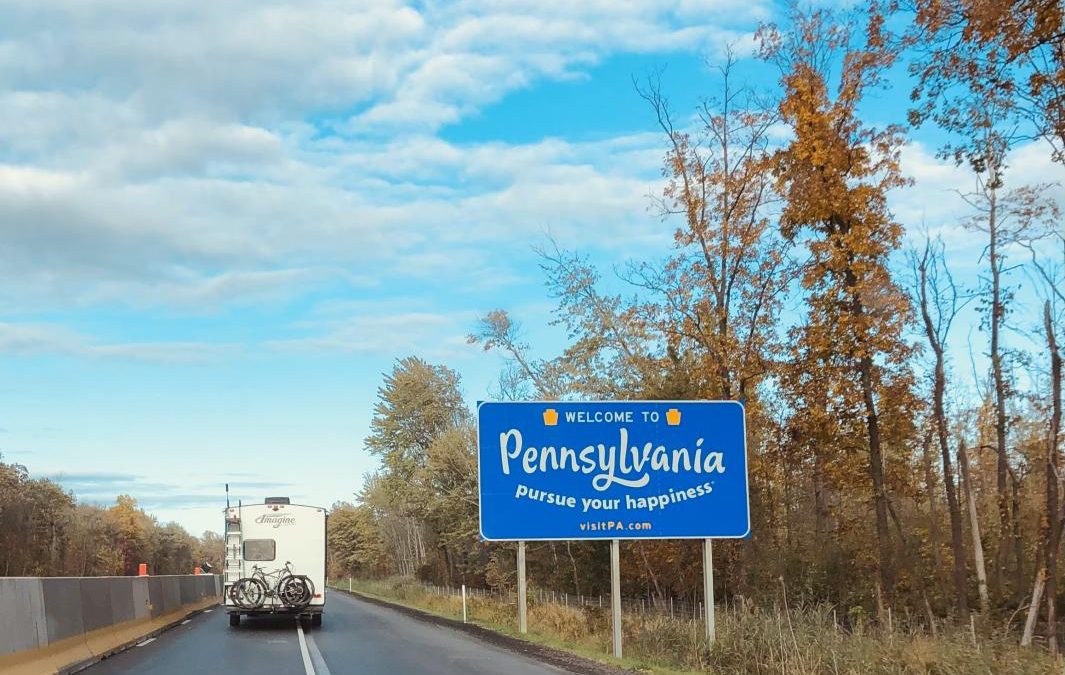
316, 620
234, 620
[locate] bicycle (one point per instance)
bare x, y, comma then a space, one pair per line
293, 591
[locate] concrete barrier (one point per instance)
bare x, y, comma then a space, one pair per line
52, 625
62, 608
22, 622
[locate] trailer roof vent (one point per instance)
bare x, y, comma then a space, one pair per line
277, 500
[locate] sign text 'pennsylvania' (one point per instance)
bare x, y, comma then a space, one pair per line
612, 470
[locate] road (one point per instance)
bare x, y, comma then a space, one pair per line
356, 638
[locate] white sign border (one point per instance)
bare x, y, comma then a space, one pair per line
746, 465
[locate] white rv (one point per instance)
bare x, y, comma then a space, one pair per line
275, 560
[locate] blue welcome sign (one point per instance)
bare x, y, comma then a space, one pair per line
612, 470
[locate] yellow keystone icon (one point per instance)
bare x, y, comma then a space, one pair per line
550, 417
673, 417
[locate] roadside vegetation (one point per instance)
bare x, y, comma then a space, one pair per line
799, 641
44, 531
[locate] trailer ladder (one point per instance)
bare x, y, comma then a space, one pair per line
234, 565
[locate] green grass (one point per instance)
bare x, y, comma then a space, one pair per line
757, 641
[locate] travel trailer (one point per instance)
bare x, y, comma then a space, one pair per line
275, 560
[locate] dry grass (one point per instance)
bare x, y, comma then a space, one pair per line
760, 641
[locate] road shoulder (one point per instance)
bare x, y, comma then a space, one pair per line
548, 655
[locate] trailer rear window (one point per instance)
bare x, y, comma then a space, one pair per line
259, 549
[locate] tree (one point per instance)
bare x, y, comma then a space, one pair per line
974, 525
35, 523
1006, 218
718, 296
12, 532
709, 313
94, 546
1009, 55
417, 403
497, 330
449, 485
992, 74
210, 548
987, 202
1047, 249
938, 299
354, 542
834, 177
171, 550
610, 350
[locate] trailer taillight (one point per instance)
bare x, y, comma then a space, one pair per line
317, 595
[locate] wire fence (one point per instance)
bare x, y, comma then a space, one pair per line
674, 608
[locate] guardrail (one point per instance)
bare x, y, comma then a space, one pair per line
56, 624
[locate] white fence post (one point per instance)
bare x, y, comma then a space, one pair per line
463, 603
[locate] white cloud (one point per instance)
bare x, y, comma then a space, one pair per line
269, 60
406, 208
34, 339
174, 154
232, 57
392, 333
478, 51
935, 202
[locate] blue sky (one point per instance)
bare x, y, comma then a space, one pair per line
221, 223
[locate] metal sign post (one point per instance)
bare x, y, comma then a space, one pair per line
615, 593
708, 589
522, 609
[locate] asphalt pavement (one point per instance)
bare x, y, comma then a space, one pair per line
356, 638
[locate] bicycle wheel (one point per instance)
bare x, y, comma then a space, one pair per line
309, 582
295, 591
288, 575
281, 580
248, 593
234, 591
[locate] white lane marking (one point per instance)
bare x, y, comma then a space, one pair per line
316, 656
146, 642
186, 621
207, 611
307, 666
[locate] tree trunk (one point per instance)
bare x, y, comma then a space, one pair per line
933, 517
787, 471
1052, 533
820, 505
1015, 524
573, 566
1002, 461
1033, 609
974, 527
876, 471
640, 546
942, 431
961, 591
